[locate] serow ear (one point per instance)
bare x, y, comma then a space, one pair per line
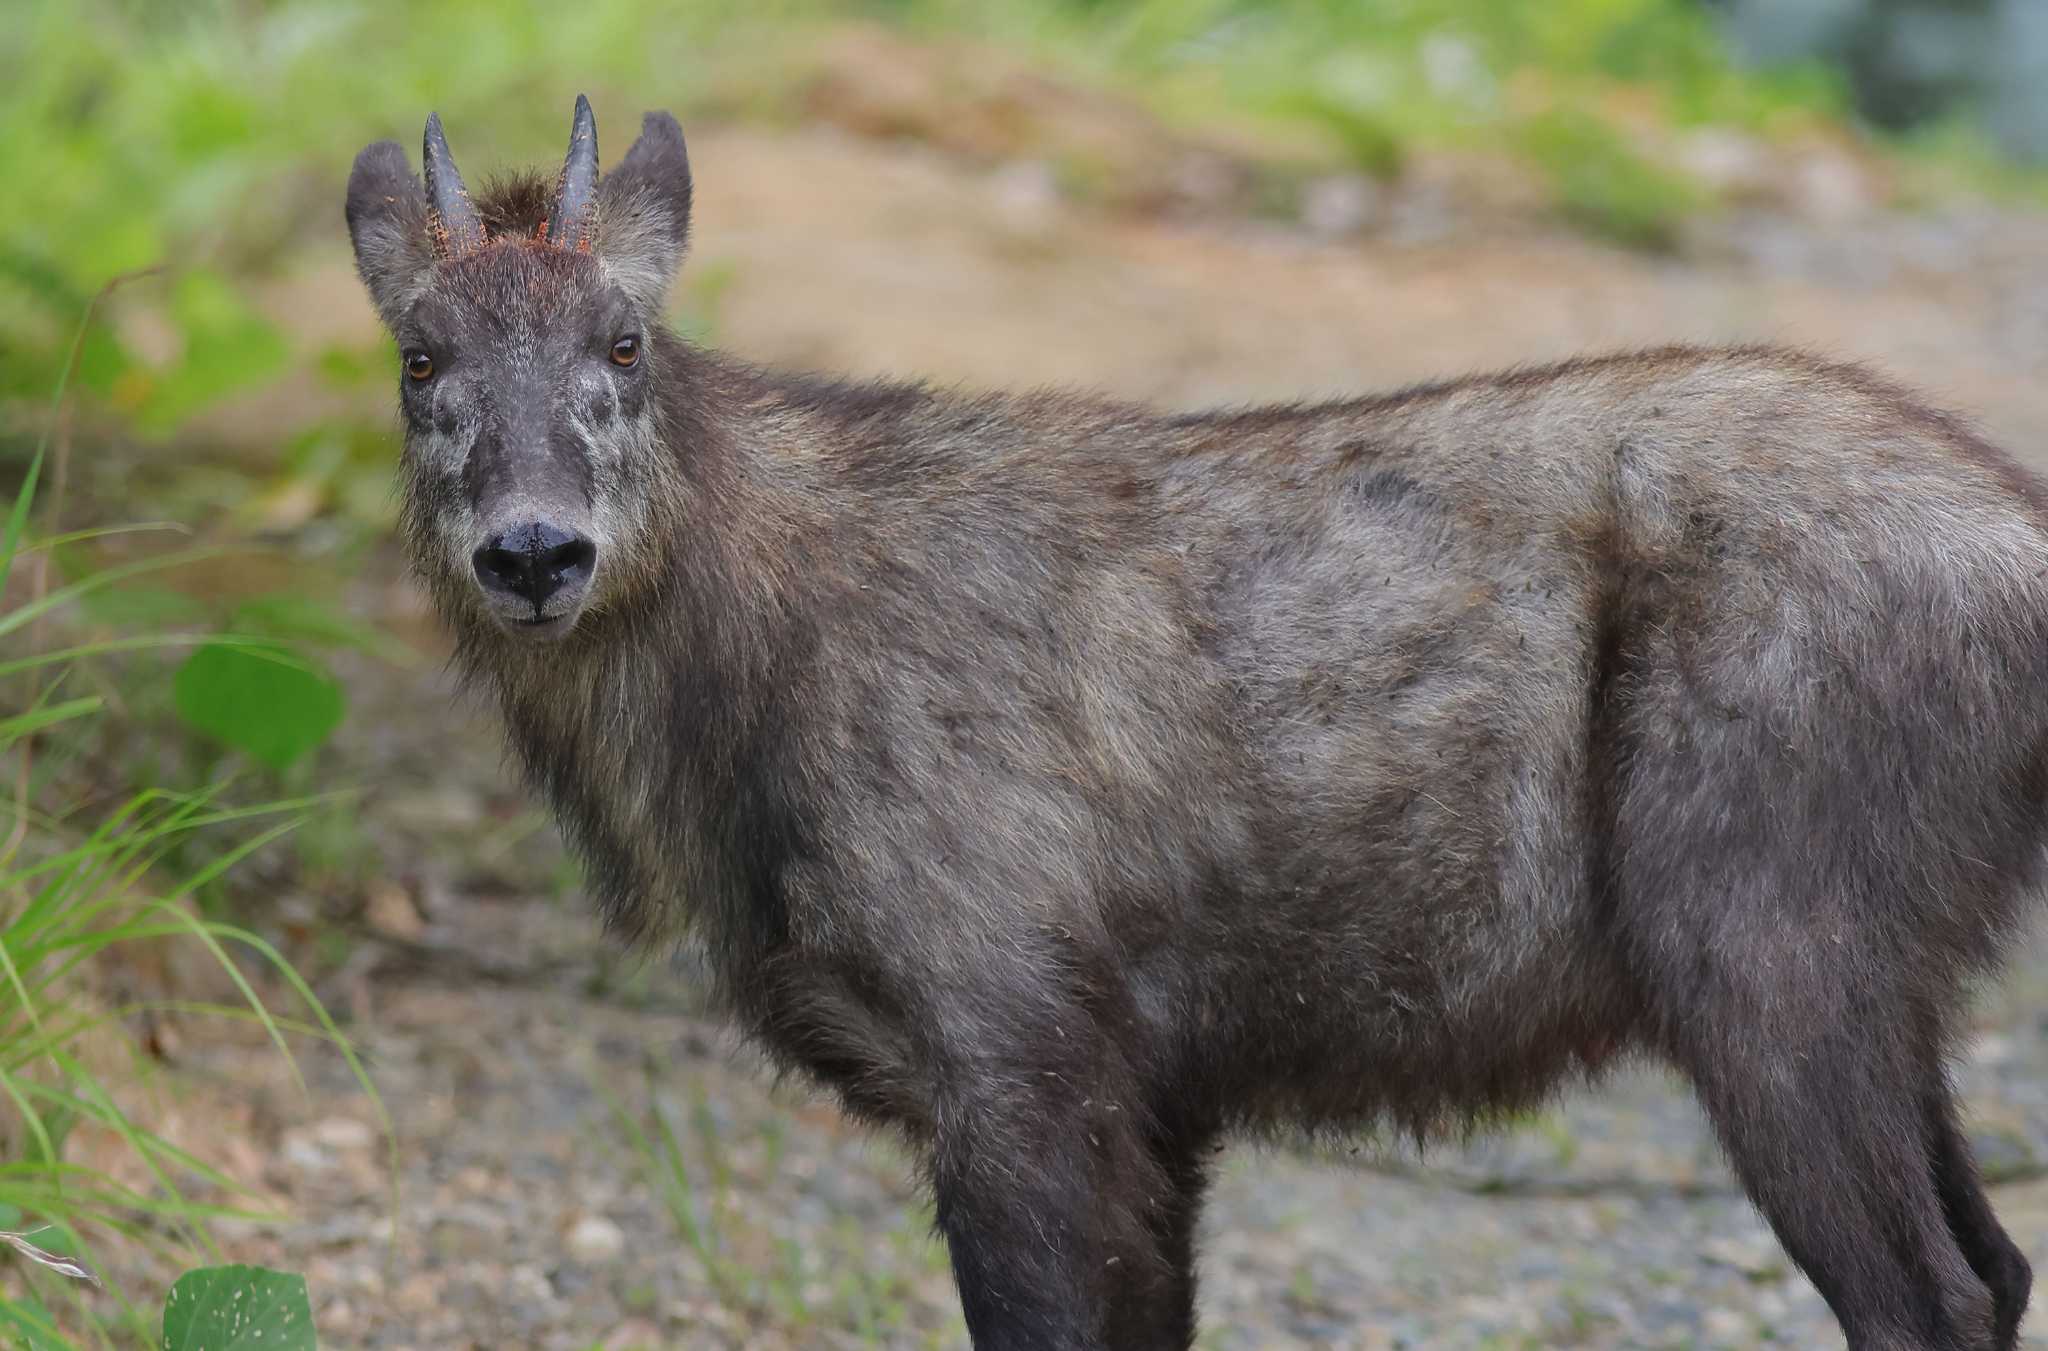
643, 213
387, 222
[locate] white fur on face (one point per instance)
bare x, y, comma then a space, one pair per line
436, 459
624, 460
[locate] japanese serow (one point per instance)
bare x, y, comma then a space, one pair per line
1070, 786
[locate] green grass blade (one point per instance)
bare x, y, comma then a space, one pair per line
21, 724
97, 581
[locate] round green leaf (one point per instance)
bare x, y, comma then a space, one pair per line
238, 1309
271, 703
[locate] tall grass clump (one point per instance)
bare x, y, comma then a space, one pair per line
87, 1184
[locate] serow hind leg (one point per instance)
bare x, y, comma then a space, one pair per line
1990, 1251
1822, 1105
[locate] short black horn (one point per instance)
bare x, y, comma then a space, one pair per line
456, 227
569, 224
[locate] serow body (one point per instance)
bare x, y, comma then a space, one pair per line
1070, 786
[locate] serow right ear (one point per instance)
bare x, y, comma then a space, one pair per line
643, 213
387, 222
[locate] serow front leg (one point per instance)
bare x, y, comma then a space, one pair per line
1069, 1219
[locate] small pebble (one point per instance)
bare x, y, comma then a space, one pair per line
341, 1132
593, 1238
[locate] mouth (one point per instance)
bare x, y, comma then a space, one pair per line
539, 628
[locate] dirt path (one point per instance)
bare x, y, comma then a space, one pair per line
514, 1049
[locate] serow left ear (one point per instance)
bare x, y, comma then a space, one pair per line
643, 213
387, 222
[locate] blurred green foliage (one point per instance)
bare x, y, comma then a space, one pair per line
1542, 84
1428, 63
214, 135
1605, 185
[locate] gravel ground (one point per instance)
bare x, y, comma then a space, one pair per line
532, 1214
531, 1073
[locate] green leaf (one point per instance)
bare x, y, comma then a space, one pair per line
49, 715
270, 703
238, 1308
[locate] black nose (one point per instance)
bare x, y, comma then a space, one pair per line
534, 561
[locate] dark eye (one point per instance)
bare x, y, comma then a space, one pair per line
626, 351
418, 365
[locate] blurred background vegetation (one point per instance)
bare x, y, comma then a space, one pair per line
235, 398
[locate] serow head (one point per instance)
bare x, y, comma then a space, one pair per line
528, 321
